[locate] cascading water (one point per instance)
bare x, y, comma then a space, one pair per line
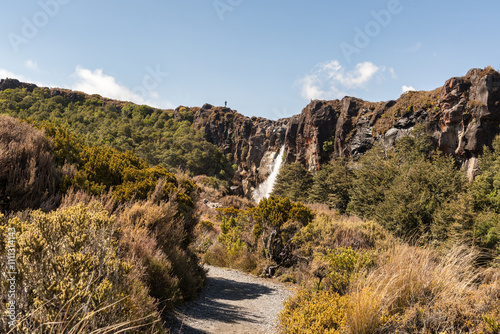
266, 187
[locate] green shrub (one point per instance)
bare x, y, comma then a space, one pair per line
343, 266
311, 312
293, 182
70, 275
331, 185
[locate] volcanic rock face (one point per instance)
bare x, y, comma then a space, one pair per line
307, 132
469, 115
250, 142
462, 117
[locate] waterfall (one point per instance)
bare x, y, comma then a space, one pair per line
265, 188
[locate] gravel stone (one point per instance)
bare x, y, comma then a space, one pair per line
233, 302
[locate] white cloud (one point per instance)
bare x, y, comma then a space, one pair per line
7, 74
359, 76
393, 73
31, 65
330, 80
415, 47
405, 88
96, 82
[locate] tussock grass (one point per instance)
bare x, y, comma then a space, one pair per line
408, 290
416, 288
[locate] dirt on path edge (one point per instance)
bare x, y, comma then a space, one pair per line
233, 302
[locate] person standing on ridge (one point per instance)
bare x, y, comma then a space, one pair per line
225, 104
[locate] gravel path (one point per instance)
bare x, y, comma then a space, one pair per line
233, 302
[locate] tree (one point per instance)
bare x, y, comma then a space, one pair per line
331, 185
294, 182
417, 193
373, 175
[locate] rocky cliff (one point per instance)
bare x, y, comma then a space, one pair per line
250, 143
462, 117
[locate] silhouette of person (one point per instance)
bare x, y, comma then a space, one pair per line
225, 104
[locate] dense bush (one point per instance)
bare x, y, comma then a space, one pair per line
258, 238
485, 194
331, 185
417, 290
407, 290
71, 276
155, 237
28, 173
116, 255
277, 221
312, 312
417, 194
293, 182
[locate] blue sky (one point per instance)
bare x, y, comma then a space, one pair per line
265, 57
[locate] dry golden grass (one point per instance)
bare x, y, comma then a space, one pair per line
415, 289
408, 102
150, 324
489, 70
74, 197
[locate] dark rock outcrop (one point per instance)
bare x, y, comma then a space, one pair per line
14, 83
307, 132
251, 143
462, 117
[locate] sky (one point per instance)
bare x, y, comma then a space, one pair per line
266, 58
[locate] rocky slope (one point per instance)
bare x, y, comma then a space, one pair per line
462, 117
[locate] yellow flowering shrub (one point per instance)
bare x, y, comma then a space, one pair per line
70, 275
311, 312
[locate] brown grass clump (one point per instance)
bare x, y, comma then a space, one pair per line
28, 172
416, 100
237, 202
489, 70
158, 240
415, 290
408, 102
407, 290
74, 197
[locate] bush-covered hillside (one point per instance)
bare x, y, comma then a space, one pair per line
161, 136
